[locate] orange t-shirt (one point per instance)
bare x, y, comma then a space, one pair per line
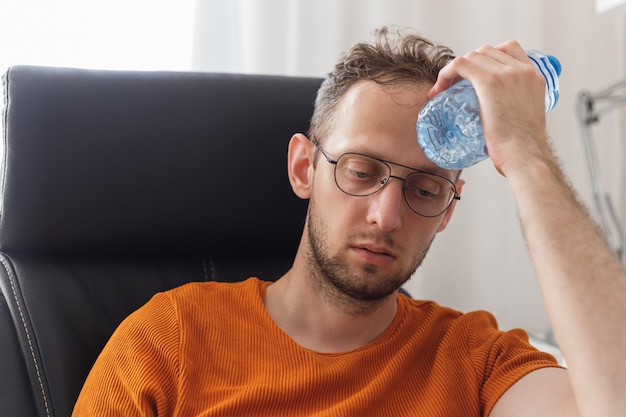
211, 349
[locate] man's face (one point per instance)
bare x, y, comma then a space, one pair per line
367, 247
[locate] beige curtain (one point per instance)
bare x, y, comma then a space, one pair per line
480, 262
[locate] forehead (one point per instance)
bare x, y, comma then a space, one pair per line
379, 120
400, 95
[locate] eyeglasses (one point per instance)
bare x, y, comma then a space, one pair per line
359, 175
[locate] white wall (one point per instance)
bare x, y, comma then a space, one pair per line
481, 260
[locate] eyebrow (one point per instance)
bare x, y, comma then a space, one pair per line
434, 169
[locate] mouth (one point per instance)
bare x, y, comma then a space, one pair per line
374, 254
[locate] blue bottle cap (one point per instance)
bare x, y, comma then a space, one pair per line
555, 63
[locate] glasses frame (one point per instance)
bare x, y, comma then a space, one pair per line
455, 194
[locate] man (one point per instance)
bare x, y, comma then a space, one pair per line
333, 337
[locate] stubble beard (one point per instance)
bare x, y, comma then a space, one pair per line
357, 290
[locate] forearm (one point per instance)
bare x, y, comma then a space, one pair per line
583, 285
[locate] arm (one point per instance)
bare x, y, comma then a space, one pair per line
583, 285
136, 373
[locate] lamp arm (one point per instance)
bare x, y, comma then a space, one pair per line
589, 109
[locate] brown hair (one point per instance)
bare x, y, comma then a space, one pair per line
393, 57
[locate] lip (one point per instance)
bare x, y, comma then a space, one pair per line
374, 254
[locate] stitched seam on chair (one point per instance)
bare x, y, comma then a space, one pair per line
5, 126
205, 269
30, 343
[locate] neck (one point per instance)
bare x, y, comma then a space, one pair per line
323, 320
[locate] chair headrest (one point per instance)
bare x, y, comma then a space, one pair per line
131, 161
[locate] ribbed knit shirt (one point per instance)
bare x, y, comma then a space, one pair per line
211, 349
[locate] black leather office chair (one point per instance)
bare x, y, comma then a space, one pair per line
117, 185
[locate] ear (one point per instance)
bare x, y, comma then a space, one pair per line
448, 214
300, 165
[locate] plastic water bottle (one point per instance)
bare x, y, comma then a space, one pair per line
449, 129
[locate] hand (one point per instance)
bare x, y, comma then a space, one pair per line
511, 93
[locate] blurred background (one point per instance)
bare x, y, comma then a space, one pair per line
480, 261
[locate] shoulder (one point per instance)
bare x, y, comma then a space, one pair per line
446, 319
202, 307
474, 322
211, 294
195, 301
491, 358
474, 334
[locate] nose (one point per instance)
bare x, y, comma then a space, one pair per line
387, 205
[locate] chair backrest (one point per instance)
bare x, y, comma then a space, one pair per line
119, 184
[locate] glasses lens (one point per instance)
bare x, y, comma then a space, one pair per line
360, 175
428, 195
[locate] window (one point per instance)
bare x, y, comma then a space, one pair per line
111, 34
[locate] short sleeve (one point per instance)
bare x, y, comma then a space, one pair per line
501, 358
136, 373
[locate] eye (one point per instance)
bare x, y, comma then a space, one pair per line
363, 169
424, 187
421, 193
361, 173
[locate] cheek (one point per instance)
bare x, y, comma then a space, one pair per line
341, 214
337, 209
331, 201
423, 229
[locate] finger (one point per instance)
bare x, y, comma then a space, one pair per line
442, 84
479, 62
465, 67
513, 49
